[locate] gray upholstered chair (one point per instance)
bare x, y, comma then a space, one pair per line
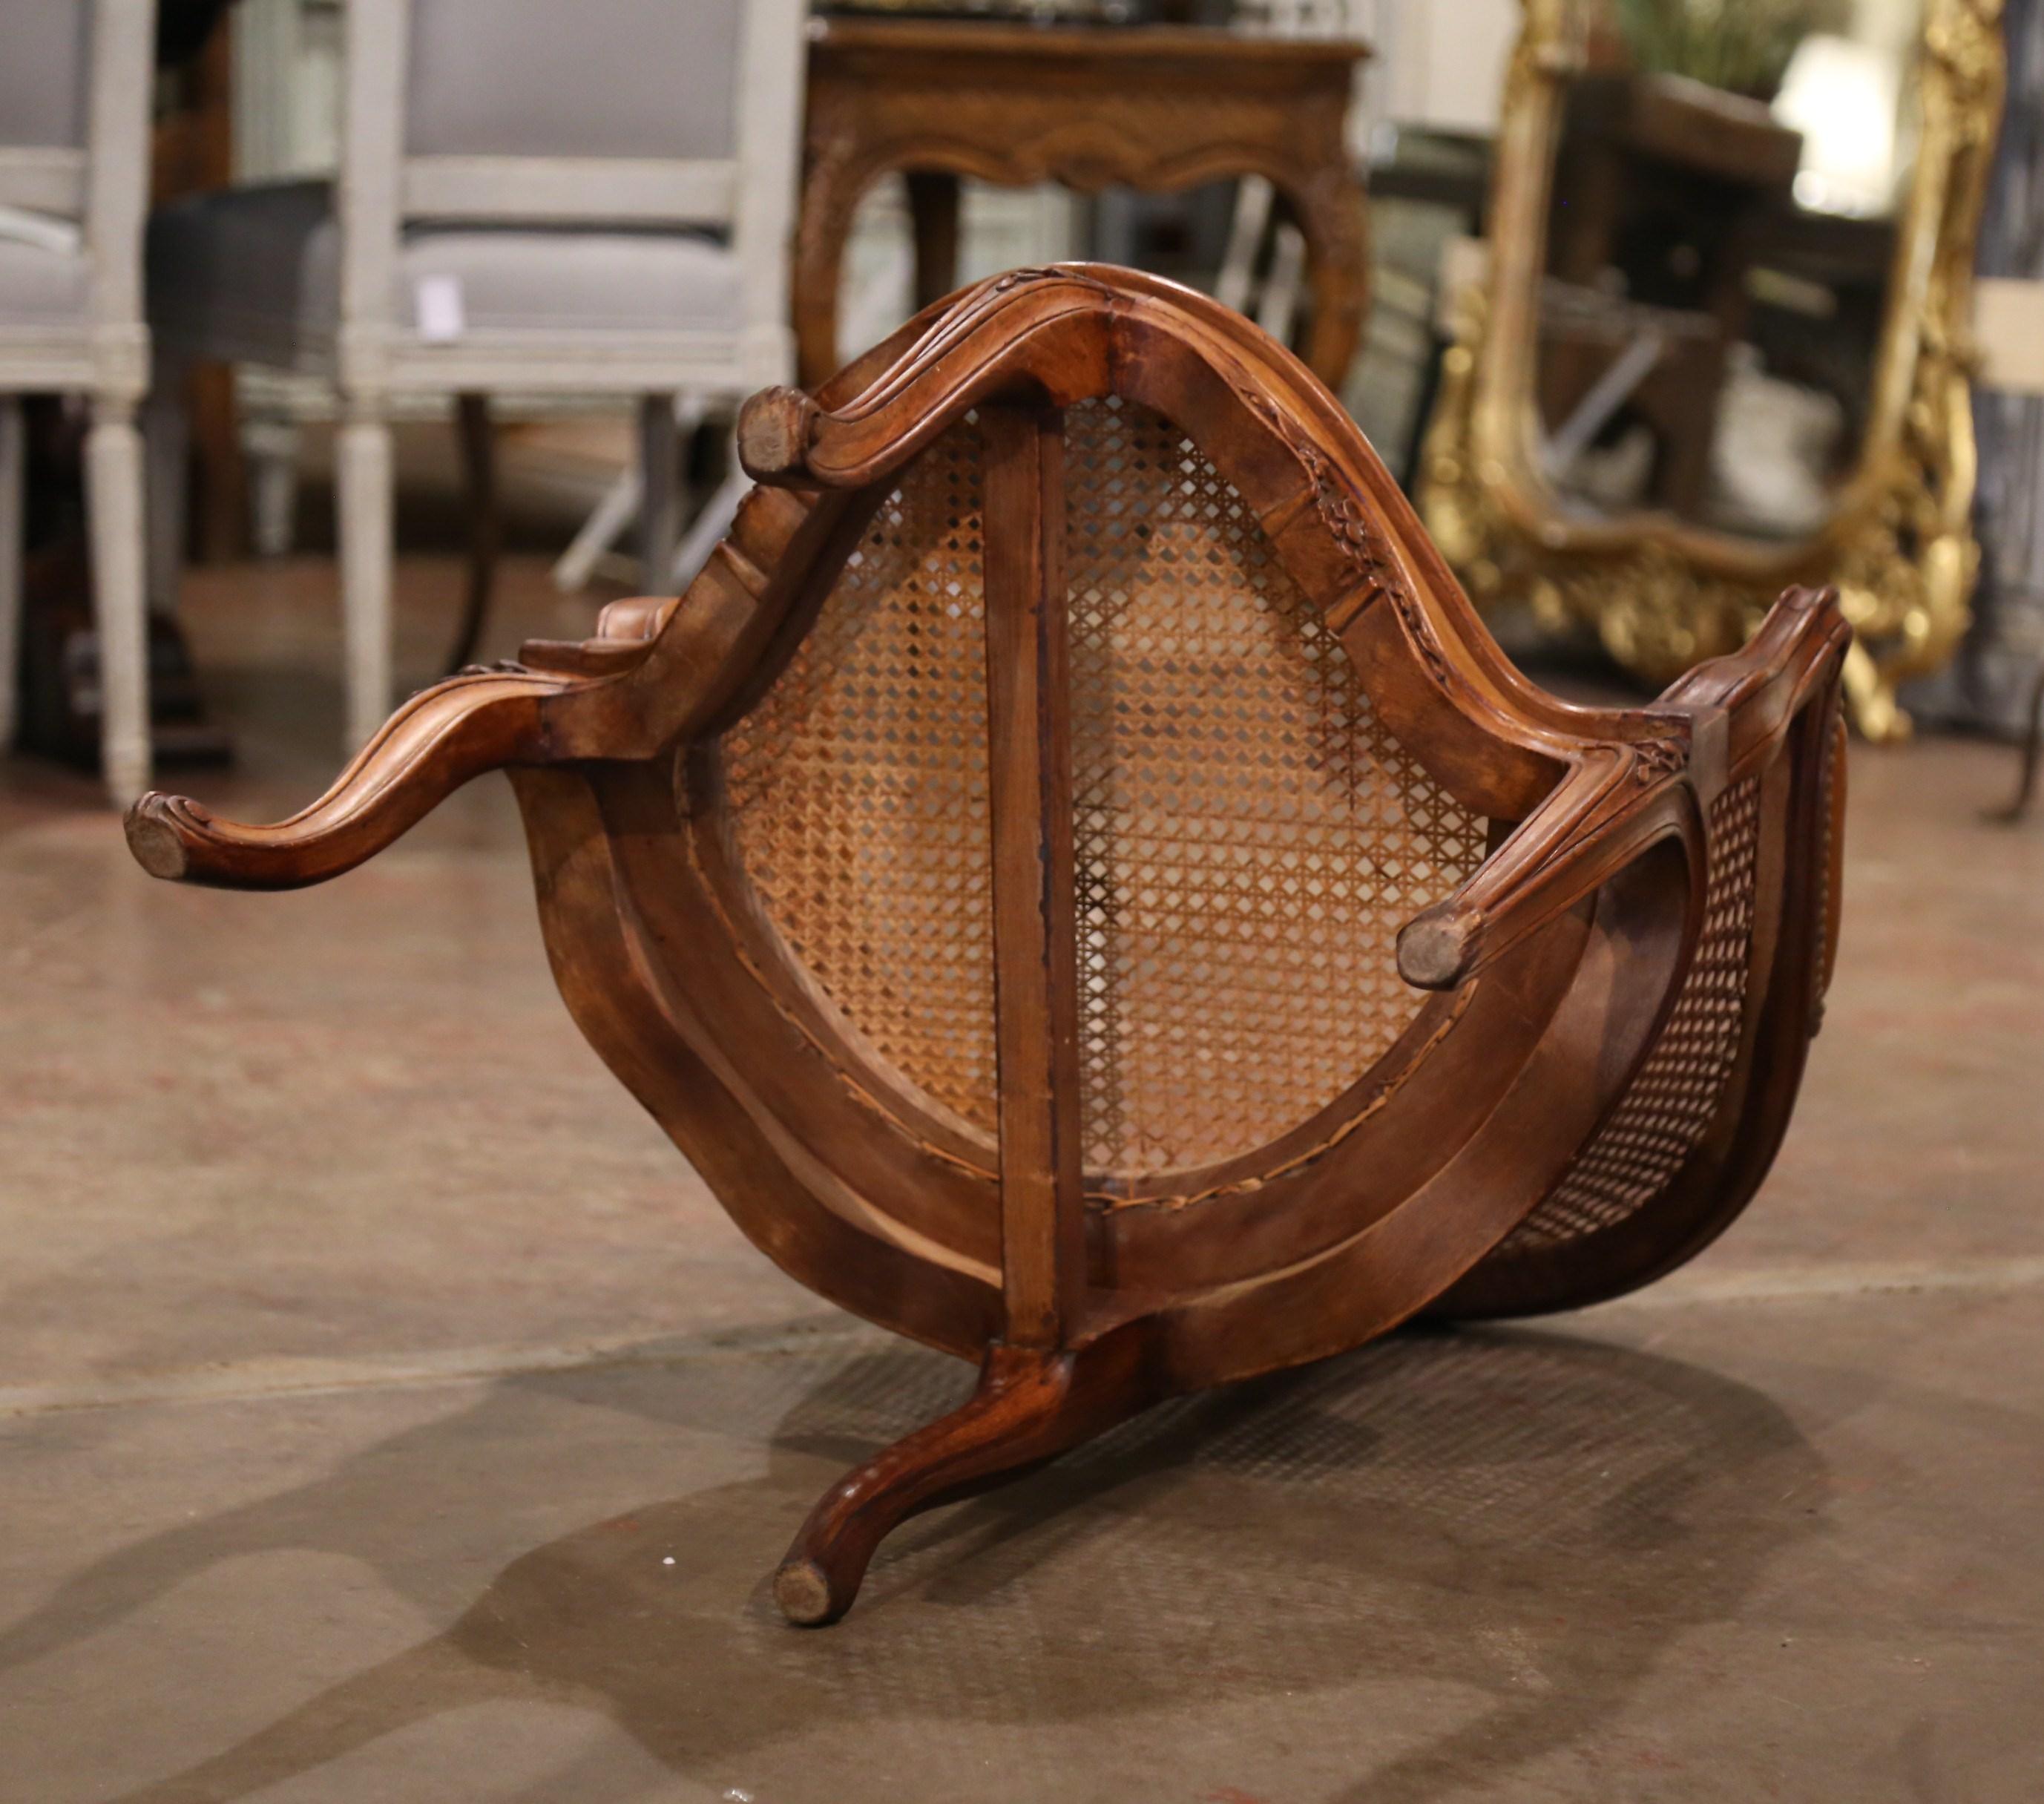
75, 87
532, 197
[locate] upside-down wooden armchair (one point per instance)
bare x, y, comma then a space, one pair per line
1078, 882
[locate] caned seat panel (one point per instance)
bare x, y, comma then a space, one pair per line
857, 789
1249, 836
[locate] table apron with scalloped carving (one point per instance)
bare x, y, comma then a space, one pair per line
1149, 107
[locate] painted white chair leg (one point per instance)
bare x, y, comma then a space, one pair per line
611, 515
166, 439
660, 488
1279, 310
113, 496
1253, 196
599, 532
271, 448
364, 493
12, 471
709, 526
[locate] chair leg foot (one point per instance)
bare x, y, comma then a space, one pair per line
1028, 1405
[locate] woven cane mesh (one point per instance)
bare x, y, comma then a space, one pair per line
1675, 1096
1248, 836
858, 794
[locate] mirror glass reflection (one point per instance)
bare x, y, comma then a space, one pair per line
1726, 189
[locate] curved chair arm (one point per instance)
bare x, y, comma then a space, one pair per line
1622, 798
1760, 688
431, 746
1618, 801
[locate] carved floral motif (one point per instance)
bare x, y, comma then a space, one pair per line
1657, 758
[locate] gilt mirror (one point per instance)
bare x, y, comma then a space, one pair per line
1719, 344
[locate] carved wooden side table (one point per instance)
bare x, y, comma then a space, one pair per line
1155, 108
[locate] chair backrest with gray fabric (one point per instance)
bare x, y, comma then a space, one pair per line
44, 57
42, 76
621, 112
74, 139
534, 77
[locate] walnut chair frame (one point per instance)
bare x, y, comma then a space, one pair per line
977, 874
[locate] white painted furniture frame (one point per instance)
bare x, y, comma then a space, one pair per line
104, 355
375, 357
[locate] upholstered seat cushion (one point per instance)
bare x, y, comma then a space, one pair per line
254, 272
41, 288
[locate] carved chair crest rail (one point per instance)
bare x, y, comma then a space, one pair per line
1076, 878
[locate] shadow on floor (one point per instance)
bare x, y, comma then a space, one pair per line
1516, 1512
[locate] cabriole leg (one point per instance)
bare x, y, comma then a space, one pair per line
1028, 1407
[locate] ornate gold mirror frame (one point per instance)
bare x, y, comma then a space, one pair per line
1662, 594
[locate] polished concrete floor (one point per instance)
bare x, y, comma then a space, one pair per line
387, 1414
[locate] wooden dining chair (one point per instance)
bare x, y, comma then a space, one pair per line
1077, 880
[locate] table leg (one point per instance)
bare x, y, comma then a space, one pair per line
1331, 213
933, 206
830, 190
